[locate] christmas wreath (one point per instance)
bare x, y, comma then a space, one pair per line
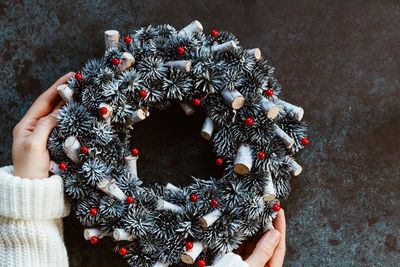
254, 134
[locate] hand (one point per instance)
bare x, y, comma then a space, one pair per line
30, 156
270, 248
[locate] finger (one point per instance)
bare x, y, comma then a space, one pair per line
46, 101
45, 125
264, 249
279, 254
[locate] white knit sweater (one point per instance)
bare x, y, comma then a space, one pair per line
31, 226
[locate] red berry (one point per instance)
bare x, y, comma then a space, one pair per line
115, 61
129, 199
196, 102
135, 151
93, 211
127, 39
84, 150
219, 161
201, 263
122, 251
193, 197
180, 50
214, 203
261, 155
214, 33
62, 166
276, 207
249, 121
78, 76
143, 94
269, 92
189, 245
304, 141
103, 110
94, 239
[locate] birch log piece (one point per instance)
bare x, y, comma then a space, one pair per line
110, 188
107, 115
244, 160
53, 167
210, 218
111, 38
91, 232
71, 148
131, 165
193, 27
127, 60
161, 264
233, 98
136, 116
190, 256
172, 188
223, 47
293, 111
208, 128
65, 92
294, 168
165, 205
121, 234
269, 190
255, 52
183, 65
188, 109
284, 136
270, 109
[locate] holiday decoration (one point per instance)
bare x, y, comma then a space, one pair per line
254, 133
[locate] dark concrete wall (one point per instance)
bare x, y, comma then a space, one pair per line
338, 59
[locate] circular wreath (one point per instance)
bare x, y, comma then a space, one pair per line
254, 136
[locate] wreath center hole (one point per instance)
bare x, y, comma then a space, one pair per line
171, 148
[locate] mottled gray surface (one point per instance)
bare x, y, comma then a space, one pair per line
337, 59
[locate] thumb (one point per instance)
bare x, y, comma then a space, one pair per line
45, 125
264, 249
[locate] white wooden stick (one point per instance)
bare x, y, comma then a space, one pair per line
295, 168
110, 188
293, 111
165, 205
137, 116
284, 136
88, 233
208, 128
127, 60
233, 98
65, 92
244, 160
172, 187
270, 109
111, 38
189, 256
161, 264
193, 27
183, 65
71, 148
121, 234
223, 47
269, 190
210, 218
131, 165
54, 167
189, 110
255, 52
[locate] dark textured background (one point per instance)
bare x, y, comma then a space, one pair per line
337, 59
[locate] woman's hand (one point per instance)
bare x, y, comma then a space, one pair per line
30, 156
270, 248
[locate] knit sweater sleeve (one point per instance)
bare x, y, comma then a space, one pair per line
230, 260
31, 226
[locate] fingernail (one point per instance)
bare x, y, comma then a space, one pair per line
274, 235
